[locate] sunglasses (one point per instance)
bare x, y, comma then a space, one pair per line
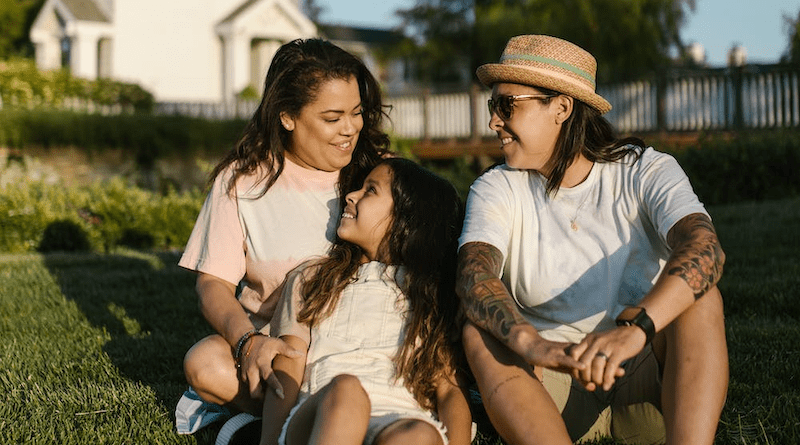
504, 105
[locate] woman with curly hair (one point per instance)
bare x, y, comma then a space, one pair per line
275, 201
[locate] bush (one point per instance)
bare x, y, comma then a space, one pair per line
64, 235
35, 215
147, 137
22, 85
750, 166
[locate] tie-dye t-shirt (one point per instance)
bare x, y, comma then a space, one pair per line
257, 240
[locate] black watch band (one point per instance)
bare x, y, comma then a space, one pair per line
637, 316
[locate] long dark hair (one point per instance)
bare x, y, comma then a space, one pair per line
586, 131
298, 70
426, 221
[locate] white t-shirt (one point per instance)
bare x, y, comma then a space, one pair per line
258, 240
569, 282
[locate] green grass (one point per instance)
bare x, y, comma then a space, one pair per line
91, 345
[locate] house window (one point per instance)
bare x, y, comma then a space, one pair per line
65, 44
66, 52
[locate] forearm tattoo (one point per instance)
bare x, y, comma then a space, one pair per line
697, 256
485, 298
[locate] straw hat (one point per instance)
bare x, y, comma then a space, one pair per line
547, 62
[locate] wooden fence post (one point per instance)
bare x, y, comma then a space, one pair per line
426, 135
661, 101
738, 111
474, 129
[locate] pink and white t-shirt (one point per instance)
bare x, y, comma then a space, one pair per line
257, 240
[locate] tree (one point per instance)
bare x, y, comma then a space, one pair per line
17, 17
793, 30
629, 38
439, 40
313, 10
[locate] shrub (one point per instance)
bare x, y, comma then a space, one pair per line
147, 137
22, 85
64, 235
750, 166
35, 215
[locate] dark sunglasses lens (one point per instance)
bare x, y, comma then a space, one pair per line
501, 105
504, 106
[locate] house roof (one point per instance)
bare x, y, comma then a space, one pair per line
371, 36
239, 10
85, 10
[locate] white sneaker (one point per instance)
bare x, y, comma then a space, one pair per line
240, 429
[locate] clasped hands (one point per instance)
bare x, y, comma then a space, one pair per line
595, 361
257, 364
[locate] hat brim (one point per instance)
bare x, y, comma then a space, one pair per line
493, 73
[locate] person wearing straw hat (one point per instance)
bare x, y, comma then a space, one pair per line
587, 269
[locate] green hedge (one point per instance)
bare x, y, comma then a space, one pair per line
35, 215
148, 136
747, 166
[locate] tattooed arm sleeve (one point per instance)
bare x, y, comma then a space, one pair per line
485, 299
697, 256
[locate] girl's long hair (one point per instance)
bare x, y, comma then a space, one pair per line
297, 72
586, 131
426, 221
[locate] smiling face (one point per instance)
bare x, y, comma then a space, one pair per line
367, 216
528, 138
325, 132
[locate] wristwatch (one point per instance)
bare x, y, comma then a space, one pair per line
637, 316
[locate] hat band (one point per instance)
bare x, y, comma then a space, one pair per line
556, 76
554, 62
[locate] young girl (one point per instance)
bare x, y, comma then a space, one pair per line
378, 319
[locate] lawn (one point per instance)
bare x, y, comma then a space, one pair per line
91, 345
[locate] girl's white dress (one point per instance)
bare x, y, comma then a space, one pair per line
360, 338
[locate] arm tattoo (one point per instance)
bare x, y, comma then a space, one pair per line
697, 256
486, 300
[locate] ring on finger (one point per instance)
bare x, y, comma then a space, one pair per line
602, 355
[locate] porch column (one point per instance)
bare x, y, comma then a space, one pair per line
235, 65
84, 56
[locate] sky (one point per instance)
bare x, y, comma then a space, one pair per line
718, 25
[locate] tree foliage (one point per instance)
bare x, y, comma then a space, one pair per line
440, 38
16, 17
630, 38
793, 31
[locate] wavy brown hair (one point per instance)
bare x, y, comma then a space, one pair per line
585, 131
295, 76
427, 214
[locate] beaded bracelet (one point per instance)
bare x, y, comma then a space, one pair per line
237, 354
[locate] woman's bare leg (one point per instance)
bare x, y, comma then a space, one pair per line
337, 415
695, 380
211, 371
518, 405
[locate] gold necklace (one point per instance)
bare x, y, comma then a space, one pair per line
572, 224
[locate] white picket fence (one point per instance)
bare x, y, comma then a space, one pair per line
751, 97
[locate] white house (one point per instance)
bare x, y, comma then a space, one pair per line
179, 50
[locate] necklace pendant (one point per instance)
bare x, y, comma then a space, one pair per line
573, 226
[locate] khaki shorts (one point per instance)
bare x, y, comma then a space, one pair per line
629, 412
